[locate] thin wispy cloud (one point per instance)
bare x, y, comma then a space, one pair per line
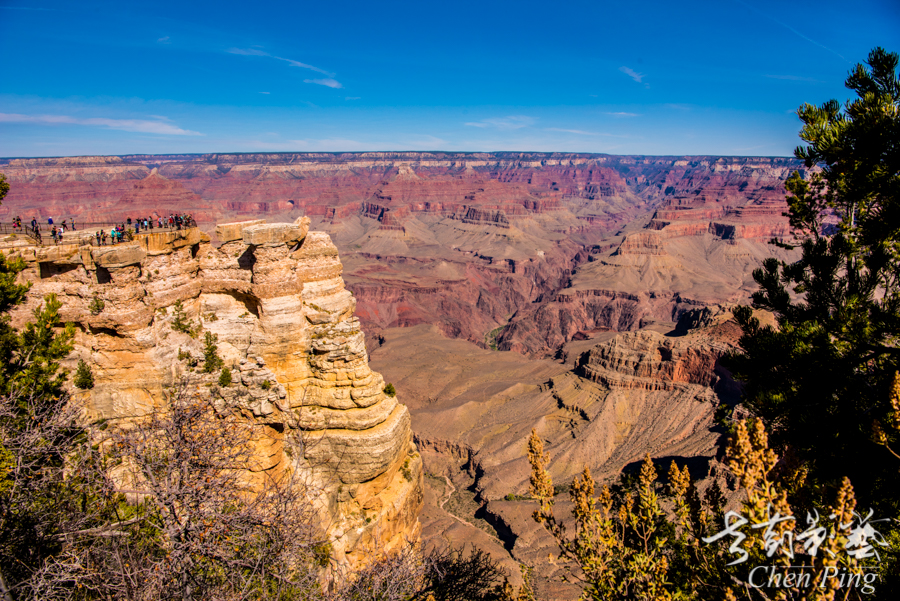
331, 83
504, 123
145, 126
791, 29
247, 52
623, 114
266, 93
294, 63
632, 74
163, 40
638, 77
352, 97
290, 61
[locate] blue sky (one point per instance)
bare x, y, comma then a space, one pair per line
722, 77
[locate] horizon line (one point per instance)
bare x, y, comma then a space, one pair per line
357, 152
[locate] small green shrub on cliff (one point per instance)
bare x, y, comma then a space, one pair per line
515, 497
84, 377
322, 554
96, 305
225, 377
265, 385
211, 359
181, 323
390, 390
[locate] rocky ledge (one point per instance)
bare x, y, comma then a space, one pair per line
274, 296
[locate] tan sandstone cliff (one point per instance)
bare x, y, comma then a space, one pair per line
274, 296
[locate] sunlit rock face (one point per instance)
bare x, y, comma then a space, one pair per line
274, 297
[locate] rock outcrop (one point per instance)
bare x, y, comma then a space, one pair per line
274, 297
648, 360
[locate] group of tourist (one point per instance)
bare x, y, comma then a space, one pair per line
123, 231
56, 231
117, 234
173, 221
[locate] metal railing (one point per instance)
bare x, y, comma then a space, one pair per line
7, 229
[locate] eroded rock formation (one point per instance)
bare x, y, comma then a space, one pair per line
490, 247
274, 296
618, 397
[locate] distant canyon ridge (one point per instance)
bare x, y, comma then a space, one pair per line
515, 251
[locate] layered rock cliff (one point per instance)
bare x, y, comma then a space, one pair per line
274, 296
475, 243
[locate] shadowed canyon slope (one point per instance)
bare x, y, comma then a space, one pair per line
621, 397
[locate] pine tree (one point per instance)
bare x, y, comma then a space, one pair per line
84, 377
39, 435
225, 377
211, 359
822, 379
181, 323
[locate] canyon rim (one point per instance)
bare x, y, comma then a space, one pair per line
586, 296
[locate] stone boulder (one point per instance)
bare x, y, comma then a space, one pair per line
276, 234
229, 232
121, 255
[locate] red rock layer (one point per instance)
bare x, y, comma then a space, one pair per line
470, 242
156, 195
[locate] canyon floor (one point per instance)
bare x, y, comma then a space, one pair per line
584, 296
